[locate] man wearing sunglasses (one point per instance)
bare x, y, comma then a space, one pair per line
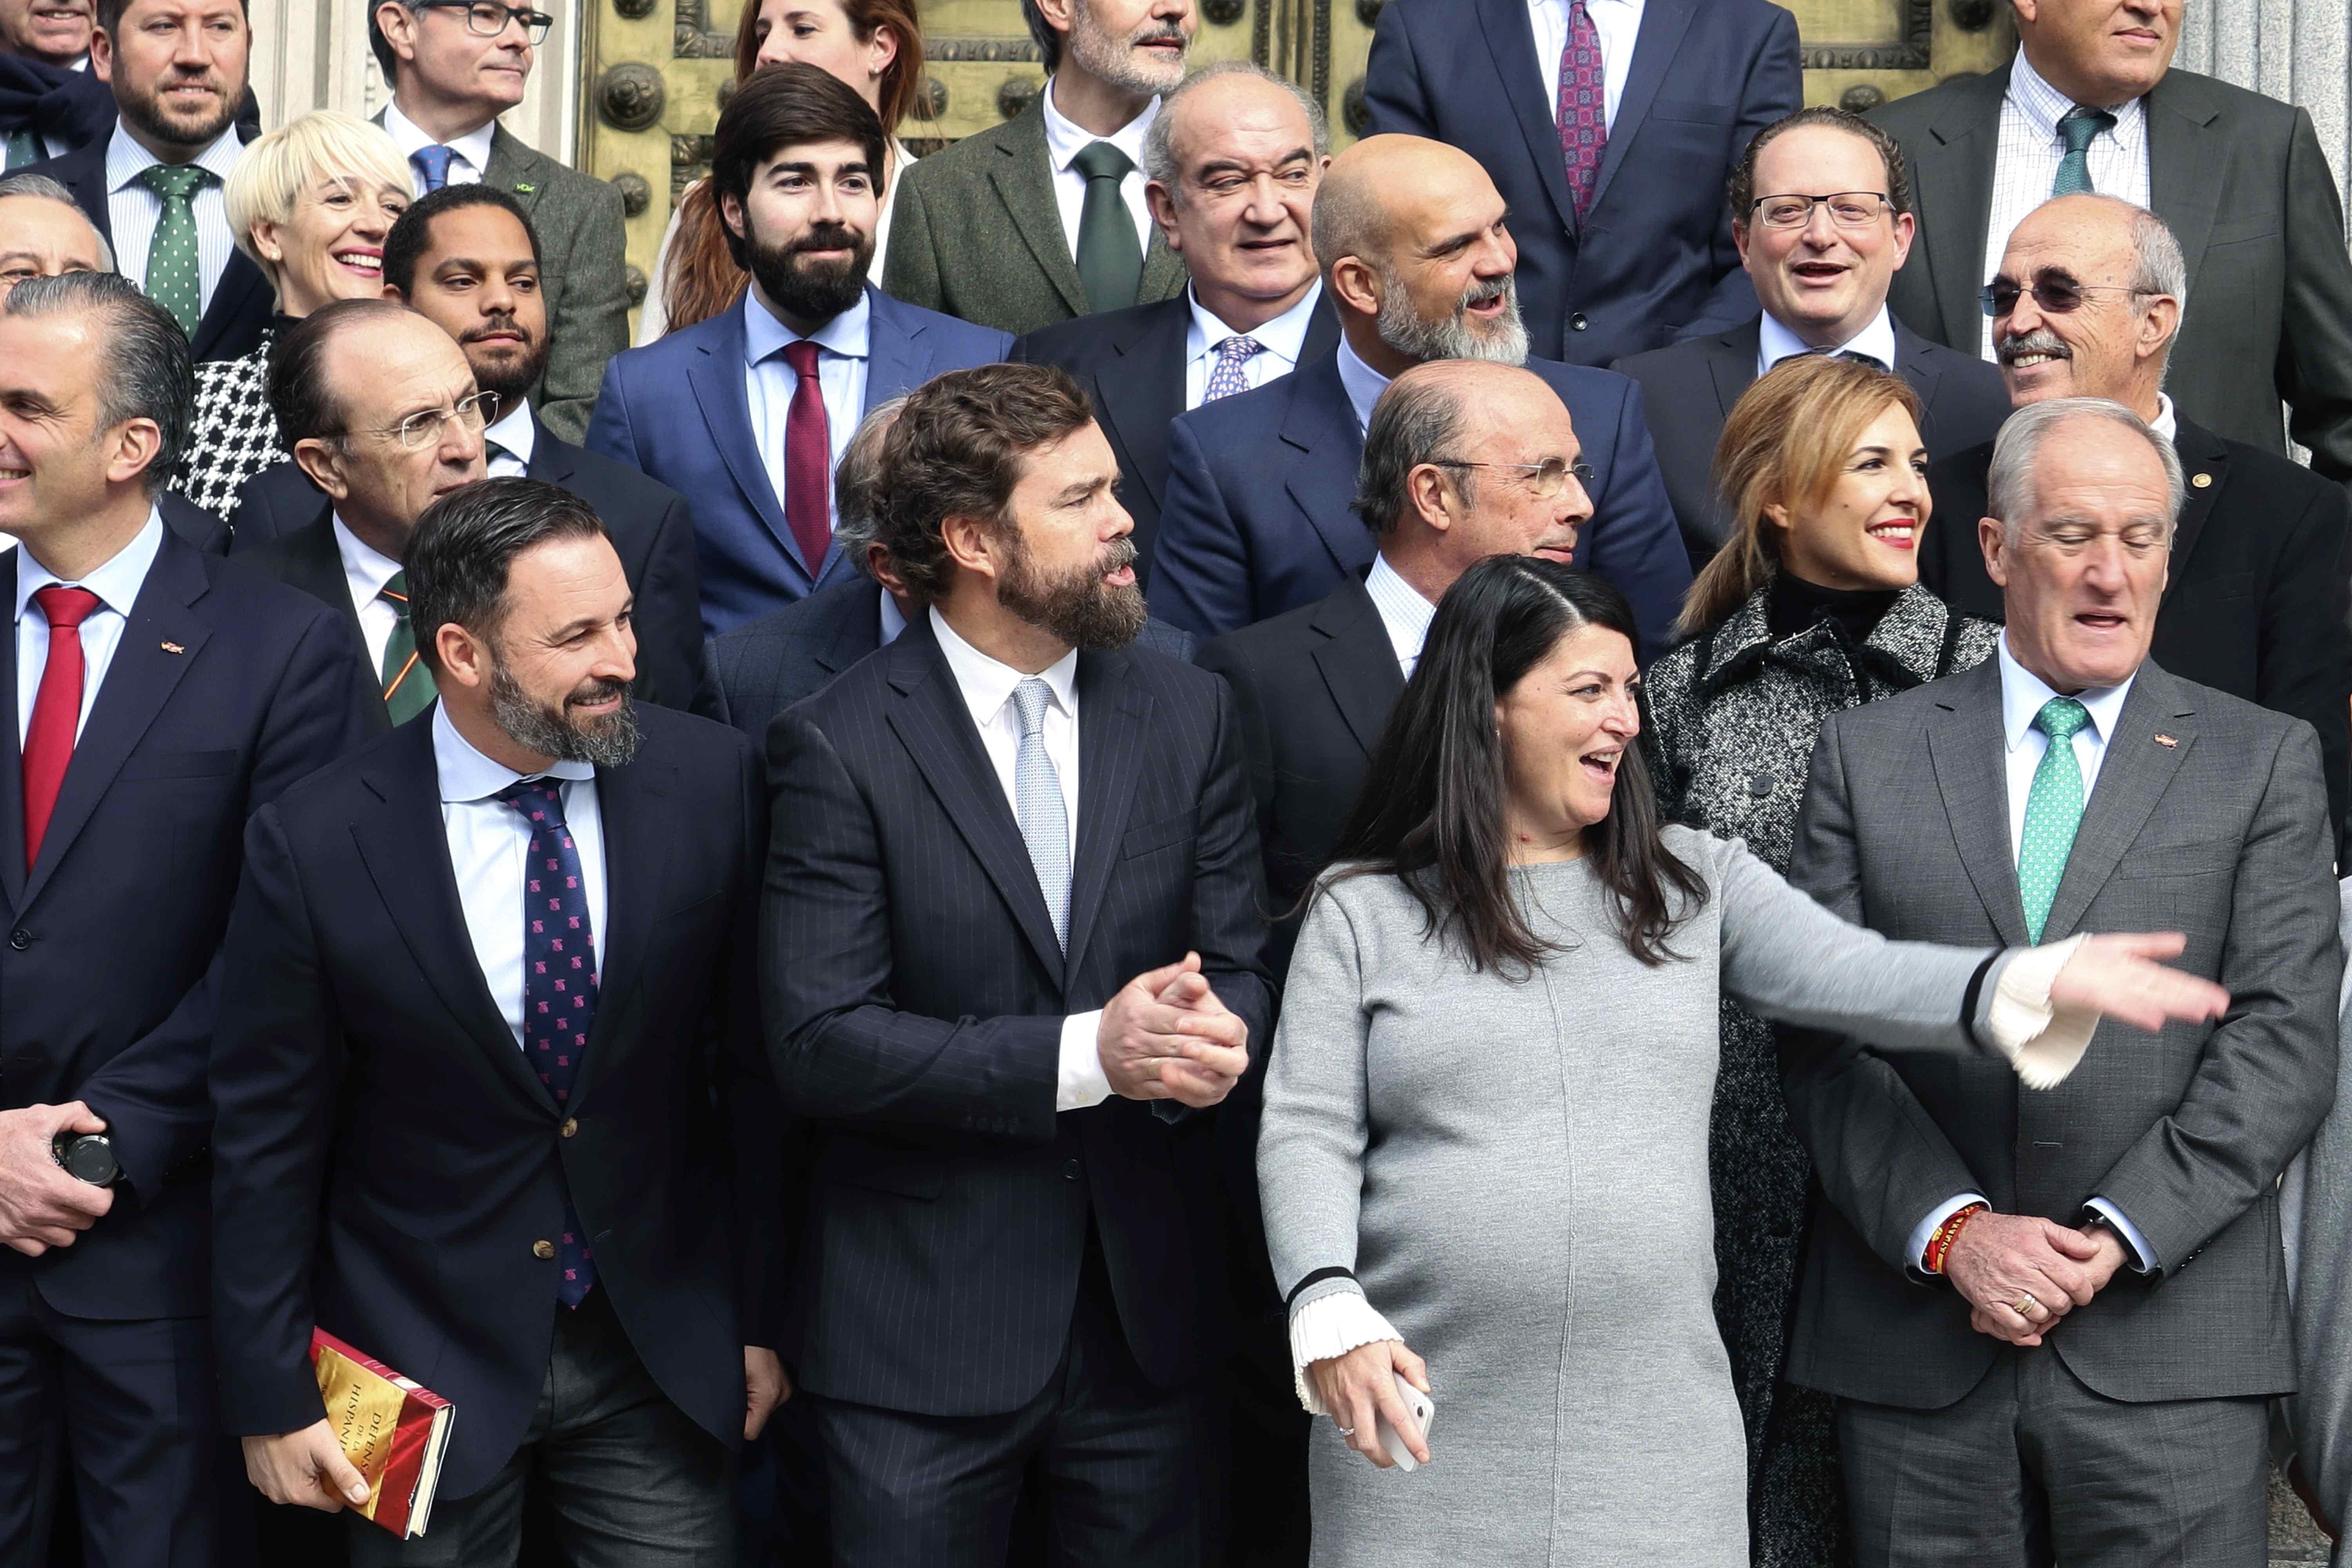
454, 66
2089, 300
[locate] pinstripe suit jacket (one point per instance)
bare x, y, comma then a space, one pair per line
914, 994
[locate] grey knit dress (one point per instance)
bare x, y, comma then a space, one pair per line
1517, 1173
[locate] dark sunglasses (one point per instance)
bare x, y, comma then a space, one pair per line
2054, 292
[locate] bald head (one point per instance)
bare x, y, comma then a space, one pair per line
1384, 186
42, 236
2132, 281
1419, 260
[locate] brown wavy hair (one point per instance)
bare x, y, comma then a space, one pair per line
704, 278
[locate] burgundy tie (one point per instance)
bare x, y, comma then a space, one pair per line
57, 710
1584, 106
808, 461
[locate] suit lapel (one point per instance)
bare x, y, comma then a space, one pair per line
2202, 456
634, 804
241, 288
552, 460
716, 376
1144, 389
1359, 663
140, 679
932, 722
516, 167
1968, 751
1114, 722
12, 754
407, 851
1321, 425
1024, 178
1951, 172
1163, 272
2186, 164
2133, 776
1511, 39
1664, 23
1731, 364
1913, 363
856, 632
897, 360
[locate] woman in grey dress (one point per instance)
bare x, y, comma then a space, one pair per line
1485, 1124
1812, 607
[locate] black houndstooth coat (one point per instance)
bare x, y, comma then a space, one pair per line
235, 435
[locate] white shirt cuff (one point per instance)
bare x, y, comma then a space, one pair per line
1332, 1326
2042, 1042
1915, 1260
2143, 1258
1081, 1081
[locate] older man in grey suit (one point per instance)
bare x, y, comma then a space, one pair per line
2000, 1290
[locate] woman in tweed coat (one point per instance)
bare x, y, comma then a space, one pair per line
311, 202
1814, 606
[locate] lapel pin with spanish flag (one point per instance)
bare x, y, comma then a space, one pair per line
2166, 741
174, 648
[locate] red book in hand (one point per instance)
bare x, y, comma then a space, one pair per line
392, 1430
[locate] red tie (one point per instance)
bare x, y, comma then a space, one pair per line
808, 461
57, 710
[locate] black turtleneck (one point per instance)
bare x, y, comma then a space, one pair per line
1793, 605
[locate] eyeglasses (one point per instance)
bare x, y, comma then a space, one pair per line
488, 20
418, 431
1547, 479
1848, 209
2054, 292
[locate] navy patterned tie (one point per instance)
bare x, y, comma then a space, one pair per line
558, 984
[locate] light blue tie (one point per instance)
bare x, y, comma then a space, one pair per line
1037, 803
2053, 810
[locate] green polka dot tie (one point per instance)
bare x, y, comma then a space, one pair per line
176, 273
2078, 130
2053, 810
23, 147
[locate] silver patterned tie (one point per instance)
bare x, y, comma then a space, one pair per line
1037, 801
1227, 376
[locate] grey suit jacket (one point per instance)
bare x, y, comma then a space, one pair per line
977, 234
2209, 818
2242, 183
2318, 1200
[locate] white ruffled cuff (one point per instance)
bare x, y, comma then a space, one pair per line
2042, 1042
1331, 1325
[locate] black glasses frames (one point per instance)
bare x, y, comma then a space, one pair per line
487, 19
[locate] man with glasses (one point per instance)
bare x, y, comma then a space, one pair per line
454, 67
1821, 214
2088, 302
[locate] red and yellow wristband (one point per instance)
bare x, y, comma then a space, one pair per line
1939, 1246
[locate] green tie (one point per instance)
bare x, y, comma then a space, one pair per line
23, 147
1110, 259
2053, 810
407, 688
2078, 130
176, 273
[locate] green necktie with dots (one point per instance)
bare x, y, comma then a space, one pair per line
2078, 130
23, 147
2053, 810
176, 271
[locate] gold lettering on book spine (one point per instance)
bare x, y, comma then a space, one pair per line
364, 1410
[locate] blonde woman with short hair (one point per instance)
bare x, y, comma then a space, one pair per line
1812, 607
311, 203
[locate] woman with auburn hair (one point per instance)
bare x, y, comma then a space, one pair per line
1812, 607
875, 45
1485, 1117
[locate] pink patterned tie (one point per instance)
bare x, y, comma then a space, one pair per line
1584, 106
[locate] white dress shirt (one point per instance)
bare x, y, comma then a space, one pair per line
1065, 140
768, 382
508, 444
117, 585
1363, 384
472, 150
489, 841
1404, 613
2166, 424
987, 687
894, 619
1619, 24
1775, 342
2026, 159
1279, 343
366, 570
135, 211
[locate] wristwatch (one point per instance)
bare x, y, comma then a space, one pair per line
87, 1157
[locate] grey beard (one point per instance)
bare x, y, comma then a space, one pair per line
605, 742
1113, 59
1453, 338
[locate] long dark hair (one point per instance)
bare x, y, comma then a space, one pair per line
1431, 814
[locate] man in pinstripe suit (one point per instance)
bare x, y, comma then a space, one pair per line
1011, 955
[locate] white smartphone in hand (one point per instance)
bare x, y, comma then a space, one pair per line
1417, 1405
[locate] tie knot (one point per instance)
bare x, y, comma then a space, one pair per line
539, 799
1029, 700
432, 165
1237, 348
2060, 717
1101, 161
2081, 127
173, 182
394, 592
801, 356
66, 608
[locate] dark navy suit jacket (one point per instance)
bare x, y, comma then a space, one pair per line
675, 410
1651, 260
225, 690
1260, 486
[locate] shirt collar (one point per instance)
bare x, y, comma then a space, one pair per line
364, 566
894, 619
2166, 423
126, 159
116, 583
2022, 694
1065, 139
1404, 611
1363, 384
987, 684
516, 432
1776, 343
2045, 105
468, 775
847, 334
474, 146
1284, 335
